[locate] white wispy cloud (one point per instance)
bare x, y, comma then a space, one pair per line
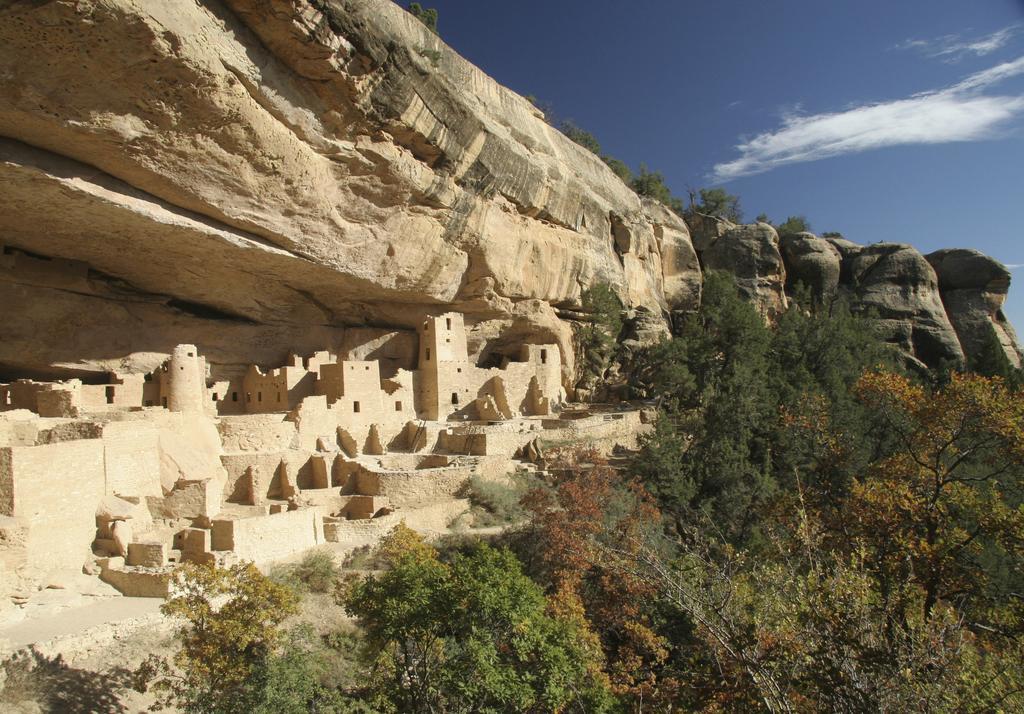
953, 48
960, 112
1014, 266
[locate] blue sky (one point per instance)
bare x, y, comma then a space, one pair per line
886, 120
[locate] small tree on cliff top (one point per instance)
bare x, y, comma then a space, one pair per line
718, 202
794, 224
427, 16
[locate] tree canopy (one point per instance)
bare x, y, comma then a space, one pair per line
472, 634
427, 16
652, 185
794, 224
718, 202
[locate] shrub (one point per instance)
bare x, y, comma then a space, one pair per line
316, 572
497, 503
619, 168
580, 136
652, 185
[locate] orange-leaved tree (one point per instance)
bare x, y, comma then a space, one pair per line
927, 514
578, 534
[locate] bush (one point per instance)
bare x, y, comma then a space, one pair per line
619, 168
497, 503
652, 185
581, 136
316, 572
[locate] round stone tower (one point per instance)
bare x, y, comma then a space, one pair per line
186, 380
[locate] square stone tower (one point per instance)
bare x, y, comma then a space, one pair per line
444, 367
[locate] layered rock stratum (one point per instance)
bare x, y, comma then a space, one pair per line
261, 176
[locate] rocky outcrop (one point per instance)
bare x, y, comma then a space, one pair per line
973, 288
893, 283
264, 167
261, 176
811, 262
751, 254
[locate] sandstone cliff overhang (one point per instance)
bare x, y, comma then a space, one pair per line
262, 176
258, 167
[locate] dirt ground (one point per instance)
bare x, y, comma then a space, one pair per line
81, 659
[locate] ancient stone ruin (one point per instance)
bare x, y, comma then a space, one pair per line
133, 475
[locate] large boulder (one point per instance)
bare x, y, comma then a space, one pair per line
973, 288
751, 254
812, 262
894, 283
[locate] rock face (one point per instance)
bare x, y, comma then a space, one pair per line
262, 176
973, 288
812, 262
256, 169
895, 283
751, 254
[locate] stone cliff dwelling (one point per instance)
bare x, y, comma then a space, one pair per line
129, 477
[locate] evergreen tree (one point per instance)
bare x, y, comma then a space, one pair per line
794, 224
652, 184
724, 407
596, 338
427, 16
718, 202
991, 360
619, 168
580, 136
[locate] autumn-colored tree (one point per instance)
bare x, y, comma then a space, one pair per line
927, 513
234, 655
591, 513
801, 628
